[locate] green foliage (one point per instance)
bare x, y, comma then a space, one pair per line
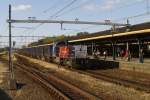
82, 33
4, 49
52, 39
56, 39
49, 40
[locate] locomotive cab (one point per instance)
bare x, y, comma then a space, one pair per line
73, 56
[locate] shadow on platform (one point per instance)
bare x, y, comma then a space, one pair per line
20, 85
102, 64
4, 96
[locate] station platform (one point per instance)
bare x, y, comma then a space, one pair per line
133, 64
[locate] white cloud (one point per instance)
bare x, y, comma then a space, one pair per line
139, 0
110, 4
106, 5
90, 7
21, 7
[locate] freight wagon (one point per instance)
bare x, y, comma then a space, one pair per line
72, 55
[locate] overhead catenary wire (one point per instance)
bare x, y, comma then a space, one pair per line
132, 17
55, 15
129, 5
68, 5
44, 11
22, 27
125, 18
88, 1
74, 8
129, 17
120, 7
51, 8
65, 7
81, 5
147, 12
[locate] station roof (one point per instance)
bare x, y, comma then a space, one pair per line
133, 29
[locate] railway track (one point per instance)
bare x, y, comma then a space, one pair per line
113, 78
108, 76
99, 75
60, 89
139, 85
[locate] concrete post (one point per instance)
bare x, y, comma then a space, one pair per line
12, 83
128, 51
114, 51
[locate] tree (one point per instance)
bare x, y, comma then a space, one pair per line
82, 33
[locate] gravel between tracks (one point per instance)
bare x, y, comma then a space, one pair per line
93, 85
27, 89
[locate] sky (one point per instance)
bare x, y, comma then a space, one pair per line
83, 10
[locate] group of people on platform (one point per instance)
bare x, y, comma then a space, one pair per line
123, 54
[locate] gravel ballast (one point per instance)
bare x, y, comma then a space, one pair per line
94, 85
28, 89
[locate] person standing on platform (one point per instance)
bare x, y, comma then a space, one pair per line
122, 54
97, 54
141, 58
105, 54
118, 52
94, 53
127, 55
